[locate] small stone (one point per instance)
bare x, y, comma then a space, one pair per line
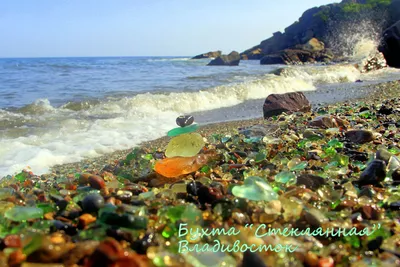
184, 145
85, 219
184, 121
252, 259
182, 130
384, 155
385, 110
359, 136
92, 203
12, 241
255, 188
311, 259
396, 176
326, 262
326, 122
310, 181
23, 213
96, 182
373, 174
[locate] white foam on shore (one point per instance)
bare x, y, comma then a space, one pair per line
40, 135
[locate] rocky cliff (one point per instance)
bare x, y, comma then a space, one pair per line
322, 23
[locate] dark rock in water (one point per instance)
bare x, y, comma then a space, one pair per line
211, 54
252, 259
385, 110
384, 155
310, 181
359, 136
232, 59
92, 203
359, 81
374, 173
373, 62
276, 104
186, 120
296, 57
390, 45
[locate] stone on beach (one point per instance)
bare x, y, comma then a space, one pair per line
184, 121
177, 166
374, 173
360, 136
276, 104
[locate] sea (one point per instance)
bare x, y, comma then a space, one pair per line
63, 110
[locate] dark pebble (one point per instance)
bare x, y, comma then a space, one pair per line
359, 136
92, 203
208, 194
141, 245
396, 175
375, 244
385, 110
373, 174
384, 155
183, 121
193, 187
252, 259
310, 181
67, 228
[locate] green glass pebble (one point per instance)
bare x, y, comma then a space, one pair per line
342, 160
6, 193
175, 213
185, 145
300, 166
335, 143
330, 151
286, 177
182, 130
23, 213
191, 214
255, 188
123, 220
20, 177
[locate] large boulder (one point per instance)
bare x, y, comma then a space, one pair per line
296, 57
211, 54
232, 59
390, 45
313, 45
276, 104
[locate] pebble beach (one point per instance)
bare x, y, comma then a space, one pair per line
319, 188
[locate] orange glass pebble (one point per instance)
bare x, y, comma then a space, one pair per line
176, 166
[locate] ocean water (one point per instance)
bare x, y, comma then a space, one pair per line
62, 110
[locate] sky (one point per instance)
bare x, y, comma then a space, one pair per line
66, 28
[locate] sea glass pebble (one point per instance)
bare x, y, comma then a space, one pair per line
23, 213
184, 121
176, 166
286, 177
184, 145
255, 188
182, 130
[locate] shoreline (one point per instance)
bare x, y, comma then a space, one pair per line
372, 91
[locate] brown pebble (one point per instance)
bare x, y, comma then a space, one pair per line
326, 262
12, 241
16, 258
311, 259
85, 220
49, 216
96, 182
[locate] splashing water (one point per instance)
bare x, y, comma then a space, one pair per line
355, 39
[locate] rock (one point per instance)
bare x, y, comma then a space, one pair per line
232, 59
92, 203
373, 62
211, 54
184, 121
310, 181
255, 188
276, 104
296, 57
396, 176
96, 182
252, 259
384, 110
390, 45
384, 155
373, 174
184, 145
326, 122
359, 136
313, 45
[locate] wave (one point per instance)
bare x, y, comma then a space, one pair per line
169, 59
40, 135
